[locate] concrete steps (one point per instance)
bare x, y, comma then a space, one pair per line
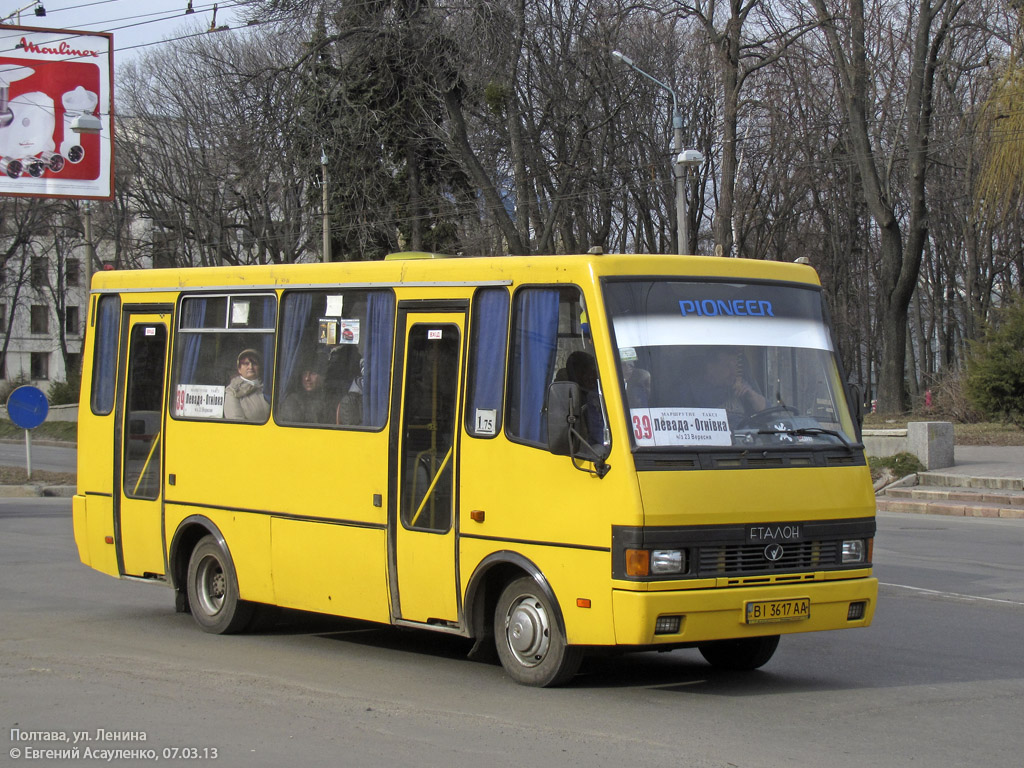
956, 495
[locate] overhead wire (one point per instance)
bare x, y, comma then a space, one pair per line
143, 19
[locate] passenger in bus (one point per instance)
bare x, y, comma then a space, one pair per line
637, 380
721, 383
350, 409
581, 368
345, 385
243, 396
306, 403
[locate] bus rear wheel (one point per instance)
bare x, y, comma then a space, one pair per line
742, 654
530, 645
213, 590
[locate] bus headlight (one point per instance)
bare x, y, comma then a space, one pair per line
665, 561
655, 562
854, 551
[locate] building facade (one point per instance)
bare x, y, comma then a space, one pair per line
43, 303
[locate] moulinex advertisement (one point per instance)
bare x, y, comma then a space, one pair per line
56, 116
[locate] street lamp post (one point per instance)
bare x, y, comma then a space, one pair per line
87, 123
687, 159
677, 146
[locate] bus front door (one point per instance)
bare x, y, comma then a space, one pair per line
139, 438
424, 467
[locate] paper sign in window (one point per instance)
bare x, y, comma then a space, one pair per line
239, 312
199, 401
662, 427
486, 421
348, 331
334, 305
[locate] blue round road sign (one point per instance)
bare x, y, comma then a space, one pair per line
27, 407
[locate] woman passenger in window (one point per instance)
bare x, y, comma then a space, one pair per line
243, 396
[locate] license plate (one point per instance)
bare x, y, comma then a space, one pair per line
768, 611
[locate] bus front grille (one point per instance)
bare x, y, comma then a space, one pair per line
730, 559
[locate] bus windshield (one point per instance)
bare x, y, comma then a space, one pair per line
726, 364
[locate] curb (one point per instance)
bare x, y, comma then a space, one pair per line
948, 507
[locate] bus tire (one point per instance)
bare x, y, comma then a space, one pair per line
741, 654
530, 645
213, 590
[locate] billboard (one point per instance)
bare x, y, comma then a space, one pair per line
53, 81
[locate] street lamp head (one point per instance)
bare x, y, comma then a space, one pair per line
86, 123
690, 157
623, 58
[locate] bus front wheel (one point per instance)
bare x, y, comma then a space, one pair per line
530, 645
742, 654
213, 590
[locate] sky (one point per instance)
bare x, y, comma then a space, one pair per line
137, 25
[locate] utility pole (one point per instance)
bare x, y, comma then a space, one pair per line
90, 250
326, 252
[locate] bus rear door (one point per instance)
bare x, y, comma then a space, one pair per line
424, 464
138, 439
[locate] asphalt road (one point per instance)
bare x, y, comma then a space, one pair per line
50, 458
936, 681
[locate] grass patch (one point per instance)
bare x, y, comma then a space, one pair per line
899, 464
66, 431
987, 433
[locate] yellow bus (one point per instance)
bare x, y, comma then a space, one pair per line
546, 454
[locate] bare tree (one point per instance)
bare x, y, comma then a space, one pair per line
894, 175
747, 36
1001, 179
209, 134
24, 223
505, 127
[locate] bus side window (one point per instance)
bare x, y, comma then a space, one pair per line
488, 343
550, 334
217, 336
335, 358
104, 361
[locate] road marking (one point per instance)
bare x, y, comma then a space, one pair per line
953, 595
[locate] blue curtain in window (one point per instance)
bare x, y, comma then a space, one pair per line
380, 333
195, 316
536, 342
104, 375
269, 321
490, 336
293, 323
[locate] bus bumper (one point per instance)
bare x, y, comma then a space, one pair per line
722, 613
93, 519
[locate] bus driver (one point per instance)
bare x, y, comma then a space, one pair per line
721, 384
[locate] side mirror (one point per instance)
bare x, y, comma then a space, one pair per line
855, 400
564, 405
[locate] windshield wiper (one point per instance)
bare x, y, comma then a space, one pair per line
809, 431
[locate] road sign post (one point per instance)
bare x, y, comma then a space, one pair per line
27, 408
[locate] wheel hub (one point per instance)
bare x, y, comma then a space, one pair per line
212, 586
528, 631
